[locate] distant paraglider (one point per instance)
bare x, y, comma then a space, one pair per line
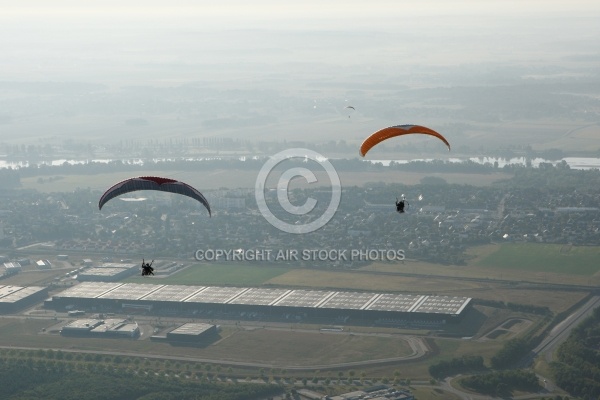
348, 110
152, 183
147, 268
401, 205
398, 130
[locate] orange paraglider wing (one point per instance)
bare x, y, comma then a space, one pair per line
398, 130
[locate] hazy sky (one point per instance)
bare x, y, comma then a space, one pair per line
287, 46
265, 9
58, 39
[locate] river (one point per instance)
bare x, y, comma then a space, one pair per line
583, 163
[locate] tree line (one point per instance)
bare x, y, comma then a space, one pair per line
577, 369
456, 366
25, 379
546, 175
502, 383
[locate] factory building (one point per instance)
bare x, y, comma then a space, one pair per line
43, 264
192, 333
80, 327
115, 327
14, 298
10, 268
266, 303
108, 272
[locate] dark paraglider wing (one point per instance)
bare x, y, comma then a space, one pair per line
398, 130
152, 183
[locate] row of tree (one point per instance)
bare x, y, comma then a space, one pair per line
546, 175
22, 379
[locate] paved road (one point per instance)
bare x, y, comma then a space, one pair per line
546, 349
414, 344
561, 331
417, 345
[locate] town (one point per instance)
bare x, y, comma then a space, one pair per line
443, 220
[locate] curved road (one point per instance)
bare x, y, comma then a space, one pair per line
417, 345
418, 349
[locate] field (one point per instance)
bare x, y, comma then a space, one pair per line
446, 349
532, 262
220, 274
309, 348
556, 258
358, 281
266, 346
426, 393
575, 139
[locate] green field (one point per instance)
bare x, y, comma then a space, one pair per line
220, 274
279, 347
563, 259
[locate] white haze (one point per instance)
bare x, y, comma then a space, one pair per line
116, 41
288, 57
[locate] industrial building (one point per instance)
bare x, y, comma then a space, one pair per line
376, 393
266, 303
191, 333
9, 268
43, 264
80, 327
108, 272
103, 328
14, 298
